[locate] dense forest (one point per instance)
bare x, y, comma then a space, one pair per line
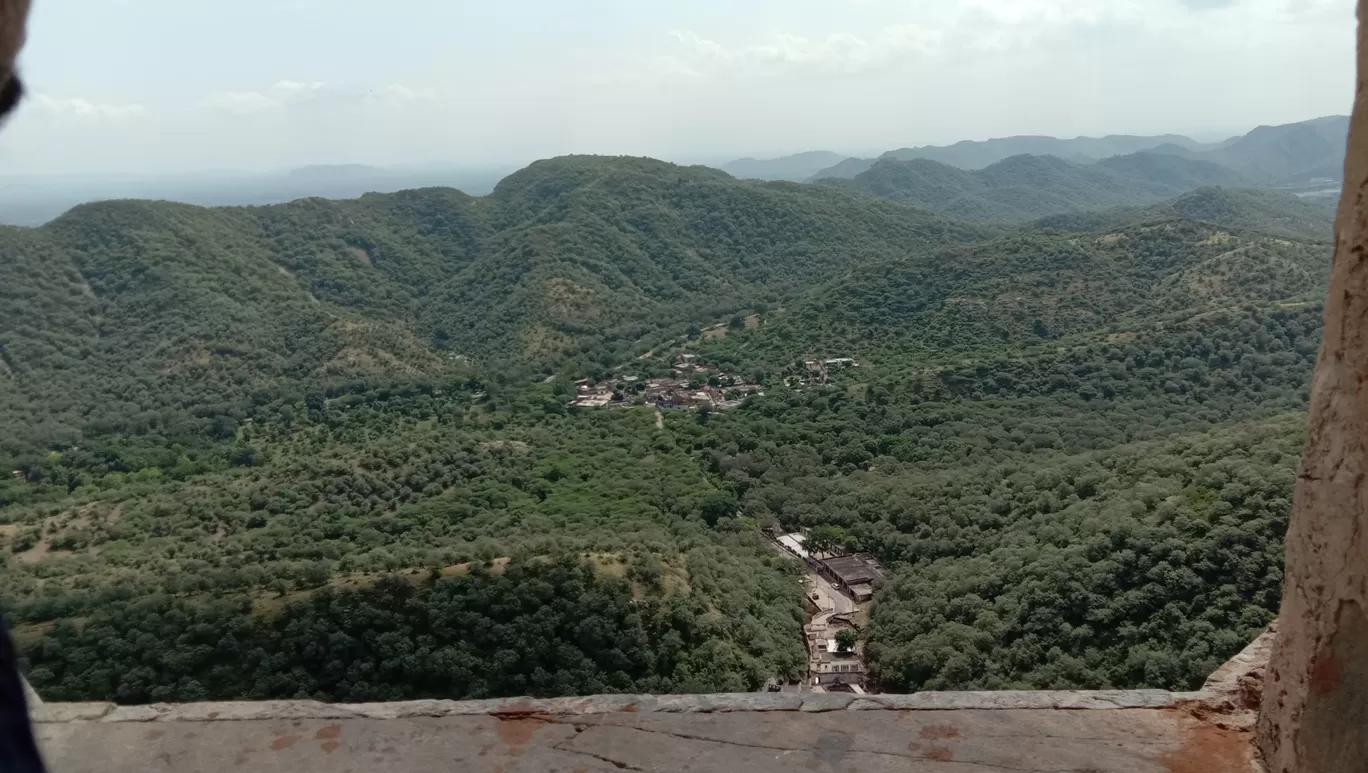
324, 449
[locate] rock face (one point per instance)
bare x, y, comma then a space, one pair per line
1315, 697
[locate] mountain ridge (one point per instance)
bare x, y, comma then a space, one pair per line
1026, 187
1267, 155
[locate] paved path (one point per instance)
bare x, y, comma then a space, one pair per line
829, 596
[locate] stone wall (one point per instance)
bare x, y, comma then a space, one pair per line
1135, 731
985, 732
1315, 704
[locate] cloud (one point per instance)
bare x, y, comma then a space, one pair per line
408, 94
241, 103
286, 94
840, 53
1206, 5
81, 109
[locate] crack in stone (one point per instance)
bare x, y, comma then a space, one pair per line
615, 763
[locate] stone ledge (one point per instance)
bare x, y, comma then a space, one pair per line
610, 704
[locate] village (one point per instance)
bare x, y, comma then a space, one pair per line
838, 587
695, 385
692, 386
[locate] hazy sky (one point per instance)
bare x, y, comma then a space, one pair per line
174, 85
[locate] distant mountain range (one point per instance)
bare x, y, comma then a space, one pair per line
1291, 154
798, 167
1295, 154
979, 155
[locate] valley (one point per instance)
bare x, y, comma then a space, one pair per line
427, 444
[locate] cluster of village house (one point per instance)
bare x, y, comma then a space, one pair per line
818, 371
694, 385
853, 576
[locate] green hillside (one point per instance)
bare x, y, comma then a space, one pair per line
1287, 154
140, 308
1270, 212
1036, 287
1027, 187
326, 449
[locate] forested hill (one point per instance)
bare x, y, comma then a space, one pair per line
327, 449
1036, 287
1027, 187
120, 311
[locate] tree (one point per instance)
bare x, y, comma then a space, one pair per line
845, 639
826, 539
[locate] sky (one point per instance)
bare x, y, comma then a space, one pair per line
168, 86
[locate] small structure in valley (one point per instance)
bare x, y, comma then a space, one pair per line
855, 573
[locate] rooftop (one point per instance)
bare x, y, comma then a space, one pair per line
854, 569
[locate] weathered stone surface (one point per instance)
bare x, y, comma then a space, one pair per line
1315, 694
136, 713
608, 704
703, 741
68, 712
237, 710
1026, 699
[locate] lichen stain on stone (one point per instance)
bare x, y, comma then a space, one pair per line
1331, 736
153, 735
940, 754
914, 748
939, 732
328, 731
516, 732
1325, 675
329, 746
832, 748
284, 742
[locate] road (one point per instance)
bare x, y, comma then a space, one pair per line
829, 598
